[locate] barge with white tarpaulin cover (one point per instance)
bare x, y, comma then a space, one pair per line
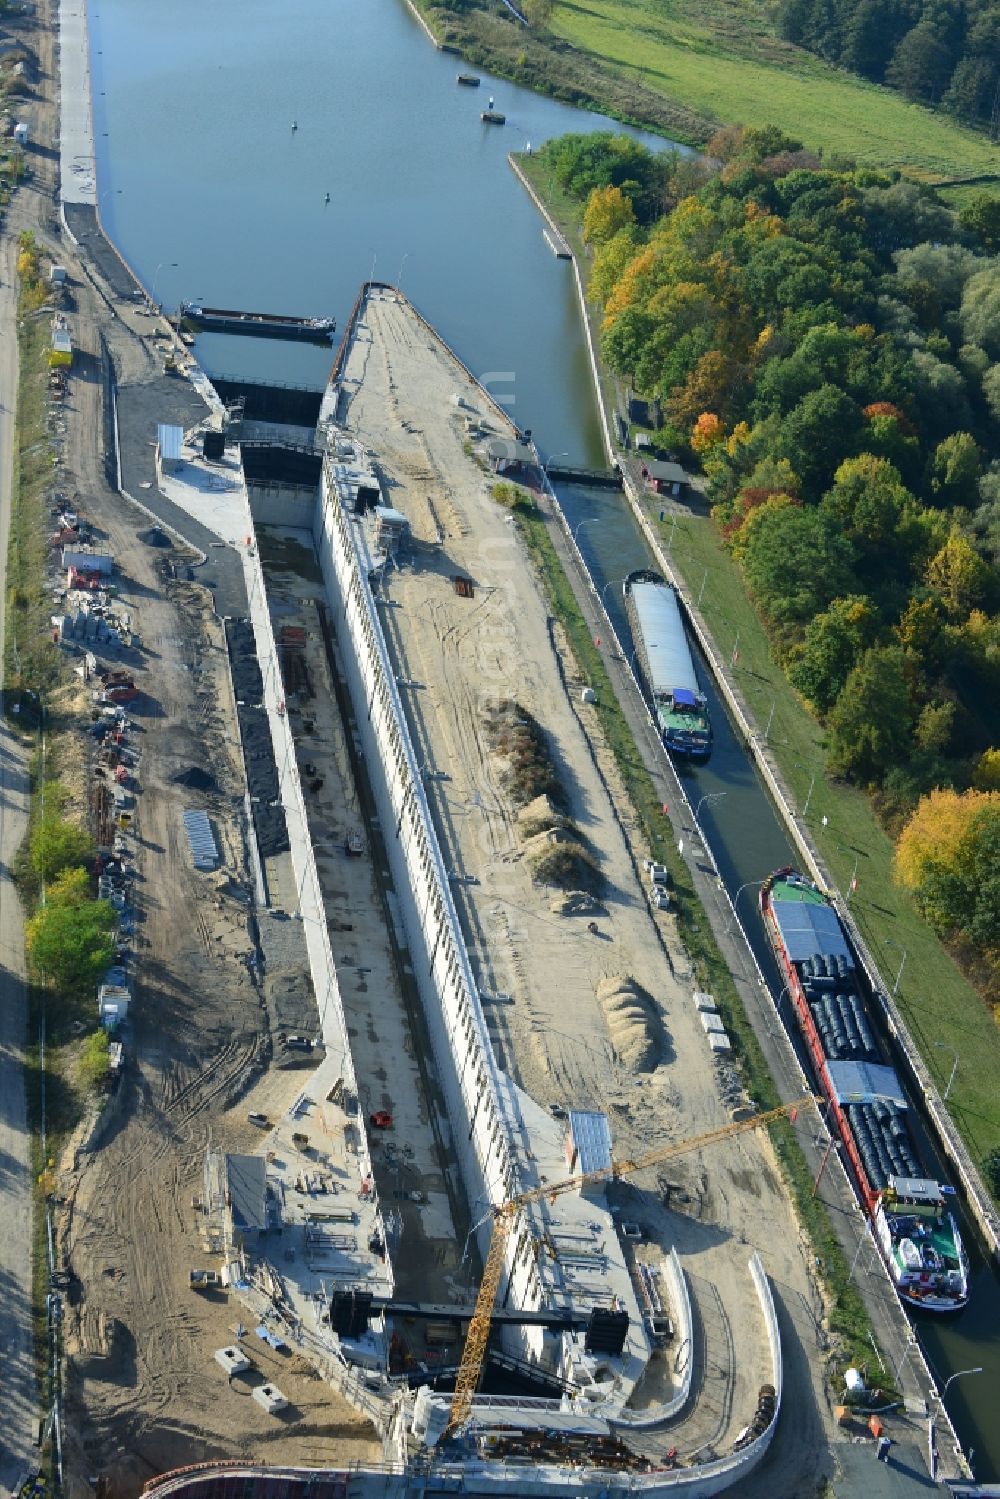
910, 1212
667, 667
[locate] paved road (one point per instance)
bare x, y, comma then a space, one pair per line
17, 1385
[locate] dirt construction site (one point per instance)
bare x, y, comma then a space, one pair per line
600, 1019
588, 991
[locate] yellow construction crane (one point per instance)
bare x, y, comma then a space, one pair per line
474, 1352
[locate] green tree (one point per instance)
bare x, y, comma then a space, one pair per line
922, 63
796, 563
980, 311
57, 844
981, 216
821, 431
955, 470
868, 501
991, 390
71, 946
830, 647
71, 888
871, 724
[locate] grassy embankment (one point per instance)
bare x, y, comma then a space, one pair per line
943, 1010
849, 1326
706, 65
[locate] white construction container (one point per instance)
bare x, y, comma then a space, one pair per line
270, 1397
233, 1360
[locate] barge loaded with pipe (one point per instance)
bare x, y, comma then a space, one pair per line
667, 669
910, 1213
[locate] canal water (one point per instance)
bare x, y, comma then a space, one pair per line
212, 196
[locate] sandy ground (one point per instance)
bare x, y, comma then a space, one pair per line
200, 1038
465, 655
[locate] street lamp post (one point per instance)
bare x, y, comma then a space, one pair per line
943, 1046
957, 1375
588, 520
902, 962
159, 268
710, 796
745, 886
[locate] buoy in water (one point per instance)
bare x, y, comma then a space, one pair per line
491, 101
327, 198
295, 124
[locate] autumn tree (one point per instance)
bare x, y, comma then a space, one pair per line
958, 575
608, 211
948, 855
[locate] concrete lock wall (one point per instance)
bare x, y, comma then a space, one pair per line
465, 1065
282, 504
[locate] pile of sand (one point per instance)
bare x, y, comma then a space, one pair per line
576, 903
632, 1021
539, 816
557, 857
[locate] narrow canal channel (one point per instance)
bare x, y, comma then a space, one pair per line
211, 195
748, 841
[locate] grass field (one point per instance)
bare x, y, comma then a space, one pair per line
721, 61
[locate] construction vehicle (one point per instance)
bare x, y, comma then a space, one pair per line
504, 1217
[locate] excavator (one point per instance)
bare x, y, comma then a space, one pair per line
505, 1215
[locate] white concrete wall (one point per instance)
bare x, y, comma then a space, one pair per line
283, 505
465, 1066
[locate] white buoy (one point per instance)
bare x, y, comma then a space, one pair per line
295, 124
491, 101
327, 198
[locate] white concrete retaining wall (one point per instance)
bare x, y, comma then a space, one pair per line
464, 1063
283, 505
680, 1305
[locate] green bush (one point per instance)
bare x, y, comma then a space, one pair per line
94, 1061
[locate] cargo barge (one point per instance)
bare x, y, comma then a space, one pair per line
257, 324
667, 669
910, 1212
